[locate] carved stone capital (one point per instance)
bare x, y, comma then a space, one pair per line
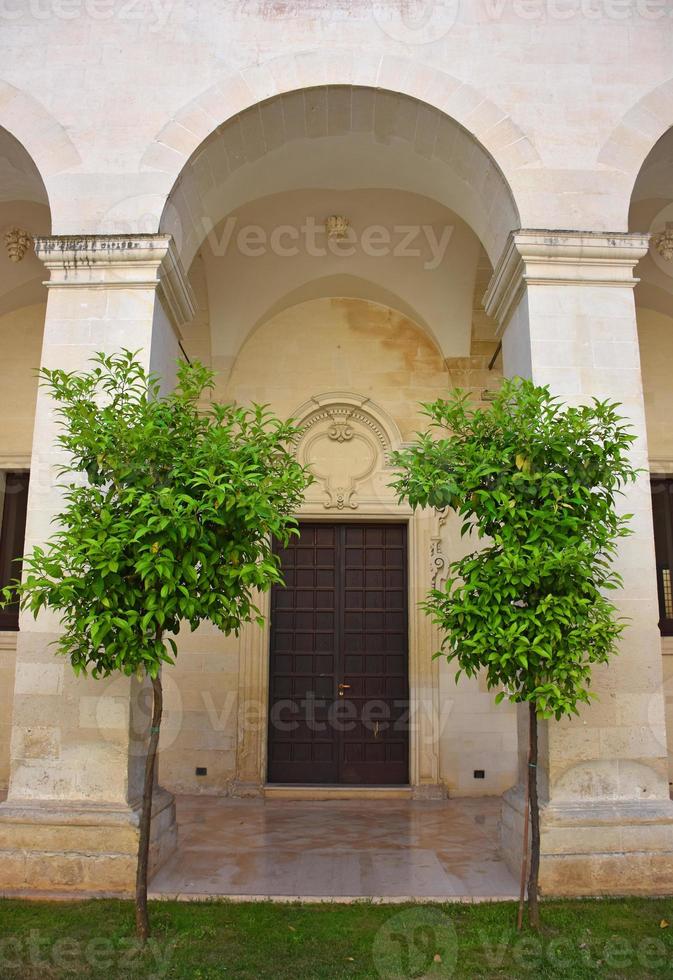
120, 262
541, 257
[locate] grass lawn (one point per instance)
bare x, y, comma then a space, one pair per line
610, 938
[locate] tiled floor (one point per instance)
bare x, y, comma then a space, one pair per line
363, 849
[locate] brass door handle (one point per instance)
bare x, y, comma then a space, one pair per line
342, 688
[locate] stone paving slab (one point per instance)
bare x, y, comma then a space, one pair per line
347, 851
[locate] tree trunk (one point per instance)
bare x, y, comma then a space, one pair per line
142, 918
533, 909
524, 849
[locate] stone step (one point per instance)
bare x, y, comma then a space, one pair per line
286, 791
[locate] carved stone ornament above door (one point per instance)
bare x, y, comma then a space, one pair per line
345, 441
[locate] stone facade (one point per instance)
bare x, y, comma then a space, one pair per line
500, 169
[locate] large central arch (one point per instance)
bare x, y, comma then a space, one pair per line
337, 137
333, 143
394, 330
488, 123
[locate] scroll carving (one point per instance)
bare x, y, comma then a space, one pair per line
343, 444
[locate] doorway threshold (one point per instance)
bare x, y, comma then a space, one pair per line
318, 791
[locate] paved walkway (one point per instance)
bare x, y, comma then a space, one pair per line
384, 849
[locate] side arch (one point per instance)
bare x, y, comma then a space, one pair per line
630, 142
42, 136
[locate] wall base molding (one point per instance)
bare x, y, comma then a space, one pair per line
54, 846
601, 848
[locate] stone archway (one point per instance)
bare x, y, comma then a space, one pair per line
24, 214
484, 121
374, 154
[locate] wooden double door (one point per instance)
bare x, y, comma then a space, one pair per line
338, 685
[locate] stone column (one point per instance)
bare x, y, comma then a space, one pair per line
565, 304
427, 569
70, 822
253, 704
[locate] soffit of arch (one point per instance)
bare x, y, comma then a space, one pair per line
339, 137
426, 272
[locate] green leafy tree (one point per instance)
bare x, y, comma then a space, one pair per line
169, 514
536, 481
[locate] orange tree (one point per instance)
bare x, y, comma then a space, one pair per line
172, 524
537, 481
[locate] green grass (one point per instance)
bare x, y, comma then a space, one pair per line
610, 938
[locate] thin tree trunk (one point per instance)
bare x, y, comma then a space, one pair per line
142, 918
524, 852
533, 909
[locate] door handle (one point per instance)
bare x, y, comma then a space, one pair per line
342, 688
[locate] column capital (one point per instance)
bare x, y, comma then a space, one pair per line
540, 256
120, 262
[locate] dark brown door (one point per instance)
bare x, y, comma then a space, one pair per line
12, 534
339, 688
662, 513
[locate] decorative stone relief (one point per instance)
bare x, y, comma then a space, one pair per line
439, 562
337, 226
343, 443
17, 243
663, 242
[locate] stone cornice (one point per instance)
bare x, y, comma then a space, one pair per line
120, 262
8, 640
542, 257
14, 461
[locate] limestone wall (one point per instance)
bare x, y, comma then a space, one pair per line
321, 345
345, 345
326, 344
7, 660
201, 711
110, 133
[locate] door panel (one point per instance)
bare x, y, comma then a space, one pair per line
339, 660
374, 748
304, 645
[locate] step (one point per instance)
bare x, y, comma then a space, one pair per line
291, 791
